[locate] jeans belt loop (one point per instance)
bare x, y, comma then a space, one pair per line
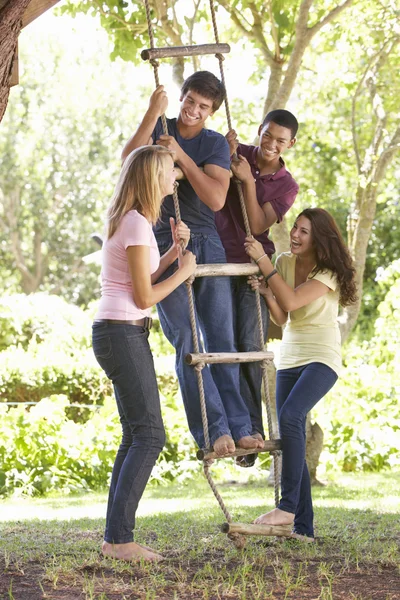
148, 322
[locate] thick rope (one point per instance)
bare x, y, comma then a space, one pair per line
271, 432
238, 540
189, 282
155, 65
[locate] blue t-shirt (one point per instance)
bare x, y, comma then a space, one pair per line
208, 147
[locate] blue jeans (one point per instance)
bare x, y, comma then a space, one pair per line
226, 410
124, 354
297, 391
247, 339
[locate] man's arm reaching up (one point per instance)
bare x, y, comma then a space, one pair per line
143, 135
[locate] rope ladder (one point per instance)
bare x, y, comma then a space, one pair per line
235, 531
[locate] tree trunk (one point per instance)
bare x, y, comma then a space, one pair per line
363, 219
10, 26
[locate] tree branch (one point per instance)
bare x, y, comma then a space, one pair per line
274, 31
134, 27
330, 16
255, 31
357, 92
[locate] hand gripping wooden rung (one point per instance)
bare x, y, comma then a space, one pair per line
212, 358
173, 51
226, 269
269, 446
252, 529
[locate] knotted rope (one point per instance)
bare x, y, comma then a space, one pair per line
271, 433
239, 540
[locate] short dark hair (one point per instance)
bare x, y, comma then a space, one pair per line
207, 85
284, 118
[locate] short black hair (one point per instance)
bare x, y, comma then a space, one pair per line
207, 85
284, 118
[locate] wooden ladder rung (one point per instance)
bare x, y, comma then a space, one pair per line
226, 269
212, 358
172, 51
269, 446
253, 529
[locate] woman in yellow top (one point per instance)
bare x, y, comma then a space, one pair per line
304, 291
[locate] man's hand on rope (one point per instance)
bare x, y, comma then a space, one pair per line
170, 142
158, 102
241, 169
180, 233
232, 139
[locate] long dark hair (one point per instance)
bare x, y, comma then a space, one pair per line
331, 252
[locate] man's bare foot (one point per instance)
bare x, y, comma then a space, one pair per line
224, 445
130, 552
275, 517
249, 441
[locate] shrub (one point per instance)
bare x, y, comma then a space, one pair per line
44, 371
42, 451
364, 411
42, 318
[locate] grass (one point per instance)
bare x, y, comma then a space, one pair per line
50, 547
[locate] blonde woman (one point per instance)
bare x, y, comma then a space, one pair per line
131, 266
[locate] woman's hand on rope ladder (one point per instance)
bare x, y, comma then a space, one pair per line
180, 233
181, 236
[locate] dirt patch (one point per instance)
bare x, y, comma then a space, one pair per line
310, 580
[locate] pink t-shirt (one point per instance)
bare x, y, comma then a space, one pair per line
116, 286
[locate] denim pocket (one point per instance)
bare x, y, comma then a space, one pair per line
216, 252
102, 347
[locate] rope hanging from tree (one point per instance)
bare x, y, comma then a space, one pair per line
239, 541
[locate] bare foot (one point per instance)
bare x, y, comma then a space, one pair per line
224, 445
130, 552
249, 441
275, 517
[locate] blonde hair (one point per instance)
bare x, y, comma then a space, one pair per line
140, 186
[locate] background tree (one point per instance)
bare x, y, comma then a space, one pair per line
10, 25
59, 158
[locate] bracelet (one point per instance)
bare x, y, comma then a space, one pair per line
260, 257
271, 274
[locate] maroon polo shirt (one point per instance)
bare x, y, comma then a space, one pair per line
279, 189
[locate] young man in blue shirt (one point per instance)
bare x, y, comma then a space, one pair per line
203, 155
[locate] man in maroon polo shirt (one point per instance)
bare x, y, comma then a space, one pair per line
269, 191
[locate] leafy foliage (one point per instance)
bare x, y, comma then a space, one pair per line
59, 158
364, 409
46, 344
42, 450
47, 360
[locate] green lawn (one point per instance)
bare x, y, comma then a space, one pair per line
50, 547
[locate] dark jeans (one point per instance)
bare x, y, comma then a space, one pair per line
226, 410
124, 354
297, 391
247, 339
